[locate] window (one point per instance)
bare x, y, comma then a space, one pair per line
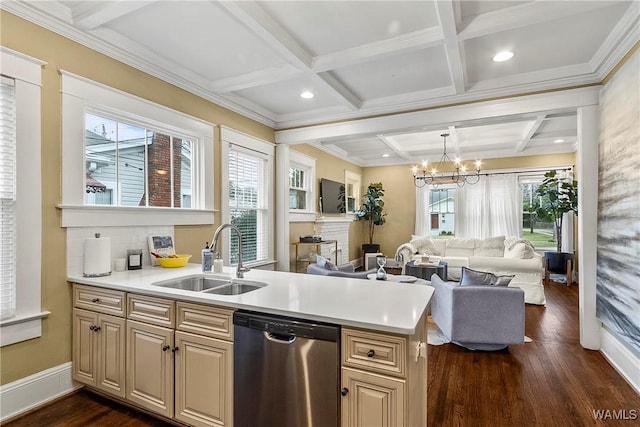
131, 165
134, 155
248, 197
20, 198
539, 230
352, 181
302, 176
441, 207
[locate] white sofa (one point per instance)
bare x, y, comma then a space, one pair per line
498, 255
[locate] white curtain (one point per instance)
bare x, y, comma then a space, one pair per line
423, 222
492, 207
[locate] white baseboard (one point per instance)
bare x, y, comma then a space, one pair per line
621, 358
35, 390
357, 263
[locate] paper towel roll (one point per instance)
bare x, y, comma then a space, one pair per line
97, 256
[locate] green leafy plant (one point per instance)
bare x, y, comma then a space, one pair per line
372, 210
558, 196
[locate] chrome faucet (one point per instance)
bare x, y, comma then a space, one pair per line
214, 246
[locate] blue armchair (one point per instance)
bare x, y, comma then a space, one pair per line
478, 317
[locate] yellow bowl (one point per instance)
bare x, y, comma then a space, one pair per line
180, 260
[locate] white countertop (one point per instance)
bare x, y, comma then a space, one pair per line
370, 304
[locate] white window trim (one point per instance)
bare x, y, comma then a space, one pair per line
308, 164
356, 180
80, 94
27, 322
228, 137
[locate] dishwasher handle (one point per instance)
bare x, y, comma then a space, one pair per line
279, 338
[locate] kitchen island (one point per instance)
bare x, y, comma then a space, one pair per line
136, 340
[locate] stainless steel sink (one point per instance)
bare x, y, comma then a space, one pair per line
213, 285
236, 287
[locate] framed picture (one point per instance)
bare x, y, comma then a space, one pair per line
161, 245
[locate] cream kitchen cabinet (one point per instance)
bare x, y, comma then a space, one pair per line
384, 378
174, 358
178, 374
98, 353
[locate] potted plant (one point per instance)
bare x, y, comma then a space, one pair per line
558, 196
372, 211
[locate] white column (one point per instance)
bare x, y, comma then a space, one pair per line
282, 207
587, 160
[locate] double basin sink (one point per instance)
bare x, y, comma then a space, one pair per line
213, 285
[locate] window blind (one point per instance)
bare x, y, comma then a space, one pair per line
248, 210
7, 198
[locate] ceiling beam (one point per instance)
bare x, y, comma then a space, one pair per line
409, 42
528, 133
454, 53
271, 32
91, 15
256, 78
394, 147
523, 15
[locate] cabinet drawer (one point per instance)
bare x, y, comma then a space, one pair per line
157, 311
98, 299
205, 320
374, 352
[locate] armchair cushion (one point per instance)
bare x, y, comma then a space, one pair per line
471, 277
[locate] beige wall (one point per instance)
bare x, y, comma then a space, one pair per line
400, 194
333, 168
54, 347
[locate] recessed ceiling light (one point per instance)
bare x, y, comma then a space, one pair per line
558, 141
385, 155
505, 55
307, 95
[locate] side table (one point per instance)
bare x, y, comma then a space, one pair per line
427, 270
315, 245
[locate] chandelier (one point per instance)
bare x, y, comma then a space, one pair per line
432, 176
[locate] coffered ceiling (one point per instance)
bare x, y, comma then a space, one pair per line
363, 59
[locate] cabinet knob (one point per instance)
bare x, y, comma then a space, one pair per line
95, 300
166, 347
371, 353
175, 349
92, 327
96, 328
344, 391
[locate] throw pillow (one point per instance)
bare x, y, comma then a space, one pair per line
491, 246
325, 263
424, 245
518, 248
471, 277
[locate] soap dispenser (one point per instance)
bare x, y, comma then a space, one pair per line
207, 257
217, 263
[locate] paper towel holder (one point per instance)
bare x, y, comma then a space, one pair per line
106, 273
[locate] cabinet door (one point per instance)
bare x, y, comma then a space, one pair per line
204, 380
149, 379
372, 400
84, 352
111, 344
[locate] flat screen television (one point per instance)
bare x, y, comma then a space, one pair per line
332, 199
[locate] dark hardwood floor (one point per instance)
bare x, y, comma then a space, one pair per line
549, 382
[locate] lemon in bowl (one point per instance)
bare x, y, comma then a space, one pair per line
174, 261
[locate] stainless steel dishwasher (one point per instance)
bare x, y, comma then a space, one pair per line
286, 372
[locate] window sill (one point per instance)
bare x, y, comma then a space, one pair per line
21, 328
91, 216
302, 216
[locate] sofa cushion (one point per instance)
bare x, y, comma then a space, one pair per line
471, 277
492, 246
518, 249
461, 247
425, 245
